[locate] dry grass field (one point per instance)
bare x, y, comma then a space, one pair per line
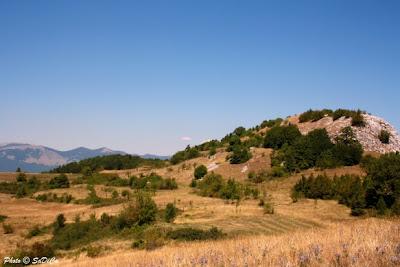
369, 242
305, 233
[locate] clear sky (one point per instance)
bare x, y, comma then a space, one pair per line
140, 76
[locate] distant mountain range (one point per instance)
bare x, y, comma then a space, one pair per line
34, 158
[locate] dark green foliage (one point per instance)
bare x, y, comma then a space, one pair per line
37, 250
60, 222
188, 153
51, 197
200, 172
37, 230
254, 141
240, 131
213, 185
21, 177
347, 189
314, 115
316, 149
102, 178
357, 119
381, 206
59, 181
111, 162
192, 234
140, 213
152, 182
271, 123
383, 179
240, 154
278, 136
384, 137
170, 212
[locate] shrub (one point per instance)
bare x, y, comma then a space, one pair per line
240, 154
60, 222
211, 185
277, 136
142, 211
384, 137
240, 131
94, 251
200, 172
188, 153
271, 123
35, 231
60, 181
170, 213
192, 234
231, 190
314, 115
3, 218
357, 119
21, 177
7, 229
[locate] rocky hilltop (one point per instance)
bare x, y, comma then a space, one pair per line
367, 135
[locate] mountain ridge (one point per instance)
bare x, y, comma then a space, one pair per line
38, 158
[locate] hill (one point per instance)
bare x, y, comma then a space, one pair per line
34, 158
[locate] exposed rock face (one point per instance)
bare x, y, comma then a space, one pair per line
367, 136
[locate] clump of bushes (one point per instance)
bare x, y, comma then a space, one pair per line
384, 137
271, 123
213, 185
240, 154
188, 153
278, 136
314, 115
141, 212
356, 116
152, 182
316, 150
262, 176
379, 190
52, 197
192, 234
59, 181
22, 186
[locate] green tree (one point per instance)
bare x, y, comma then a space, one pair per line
384, 137
277, 136
200, 171
170, 213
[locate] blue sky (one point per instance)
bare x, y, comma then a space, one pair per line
140, 75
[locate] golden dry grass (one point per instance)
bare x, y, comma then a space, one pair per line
370, 242
284, 236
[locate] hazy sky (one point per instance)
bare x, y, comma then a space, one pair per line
140, 76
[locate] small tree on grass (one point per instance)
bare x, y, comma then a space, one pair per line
170, 213
60, 222
200, 172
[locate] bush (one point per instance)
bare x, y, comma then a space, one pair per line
60, 181
35, 231
277, 136
268, 208
3, 218
271, 123
200, 172
152, 182
384, 137
240, 154
357, 119
314, 115
211, 185
188, 153
60, 222
21, 177
142, 211
7, 229
192, 234
170, 213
